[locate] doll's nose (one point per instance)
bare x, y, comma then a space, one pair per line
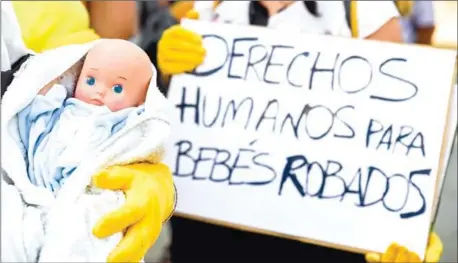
100, 90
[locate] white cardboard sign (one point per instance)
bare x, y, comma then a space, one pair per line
314, 137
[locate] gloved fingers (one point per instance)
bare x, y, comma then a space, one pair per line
183, 58
372, 258
194, 59
173, 62
433, 255
414, 258
434, 249
132, 211
150, 169
182, 47
113, 178
176, 68
434, 241
137, 240
402, 255
180, 33
390, 255
192, 14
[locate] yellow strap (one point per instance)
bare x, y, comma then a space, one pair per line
354, 19
404, 7
215, 4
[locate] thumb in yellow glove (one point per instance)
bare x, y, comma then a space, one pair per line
150, 199
192, 14
397, 253
180, 9
180, 50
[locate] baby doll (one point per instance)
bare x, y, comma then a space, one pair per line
64, 125
114, 79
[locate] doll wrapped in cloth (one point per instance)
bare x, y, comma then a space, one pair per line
76, 110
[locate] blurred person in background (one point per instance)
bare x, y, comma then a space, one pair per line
419, 26
50, 24
155, 17
149, 189
368, 20
180, 50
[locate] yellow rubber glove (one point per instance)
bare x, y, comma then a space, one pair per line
397, 253
150, 199
180, 50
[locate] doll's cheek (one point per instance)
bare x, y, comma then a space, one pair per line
78, 94
116, 104
81, 95
113, 107
111, 104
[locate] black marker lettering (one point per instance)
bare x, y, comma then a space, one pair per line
234, 55
251, 64
314, 70
270, 63
413, 87
290, 66
221, 65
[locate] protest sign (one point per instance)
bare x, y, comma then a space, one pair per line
327, 140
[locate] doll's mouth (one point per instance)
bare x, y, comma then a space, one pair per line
97, 102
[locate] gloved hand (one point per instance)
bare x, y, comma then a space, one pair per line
150, 199
397, 253
180, 50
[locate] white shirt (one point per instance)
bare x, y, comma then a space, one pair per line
12, 45
372, 15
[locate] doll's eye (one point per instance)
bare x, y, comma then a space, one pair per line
90, 81
117, 88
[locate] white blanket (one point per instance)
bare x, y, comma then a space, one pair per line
40, 227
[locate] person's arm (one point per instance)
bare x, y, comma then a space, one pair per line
423, 20
391, 31
424, 34
113, 19
378, 21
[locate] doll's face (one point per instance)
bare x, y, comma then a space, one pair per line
115, 74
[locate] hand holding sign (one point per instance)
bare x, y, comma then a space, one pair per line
179, 49
397, 253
